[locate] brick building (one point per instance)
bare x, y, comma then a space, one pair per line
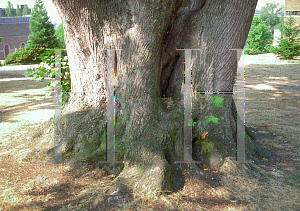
293, 6
2, 12
14, 32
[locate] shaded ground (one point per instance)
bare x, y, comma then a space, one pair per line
272, 112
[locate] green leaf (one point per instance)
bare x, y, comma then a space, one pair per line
48, 85
191, 123
39, 77
217, 101
195, 136
29, 72
211, 119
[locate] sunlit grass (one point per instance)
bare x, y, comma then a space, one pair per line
295, 178
293, 61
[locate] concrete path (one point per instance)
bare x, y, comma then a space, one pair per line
15, 71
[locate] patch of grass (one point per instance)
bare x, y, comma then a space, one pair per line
26, 124
295, 178
293, 61
5, 195
36, 155
69, 151
4, 182
206, 148
254, 171
27, 181
15, 64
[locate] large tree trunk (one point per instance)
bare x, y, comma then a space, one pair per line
149, 72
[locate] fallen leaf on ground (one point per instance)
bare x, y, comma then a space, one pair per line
203, 134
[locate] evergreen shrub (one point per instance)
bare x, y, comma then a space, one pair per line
23, 56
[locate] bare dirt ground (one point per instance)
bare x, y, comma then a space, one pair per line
22, 102
272, 112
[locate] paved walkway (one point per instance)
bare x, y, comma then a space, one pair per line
15, 71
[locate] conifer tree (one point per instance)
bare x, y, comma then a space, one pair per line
59, 32
18, 11
42, 30
26, 10
289, 46
9, 10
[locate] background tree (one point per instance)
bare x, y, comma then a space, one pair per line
259, 40
42, 30
26, 10
273, 15
289, 46
18, 11
59, 32
149, 84
9, 10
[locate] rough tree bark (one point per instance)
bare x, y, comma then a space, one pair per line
149, 70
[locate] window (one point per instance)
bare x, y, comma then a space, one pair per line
6, 50
292, 13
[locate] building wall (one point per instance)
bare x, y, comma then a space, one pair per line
14, 31
293, 5
2, 12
